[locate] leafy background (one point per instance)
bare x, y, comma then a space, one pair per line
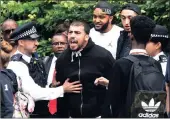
49, 13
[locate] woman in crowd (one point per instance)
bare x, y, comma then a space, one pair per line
8, 82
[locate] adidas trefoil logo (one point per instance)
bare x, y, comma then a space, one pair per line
151, 107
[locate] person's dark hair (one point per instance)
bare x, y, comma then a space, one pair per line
7, 20
5, 51
81, 23
164, 43
141, 28
131, 6
62, 27
60, 34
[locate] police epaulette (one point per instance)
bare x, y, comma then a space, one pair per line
16, 57
163, 58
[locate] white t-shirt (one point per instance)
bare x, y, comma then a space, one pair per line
107, 40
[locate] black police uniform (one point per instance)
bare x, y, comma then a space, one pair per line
35, 67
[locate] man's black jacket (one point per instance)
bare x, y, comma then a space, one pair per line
93, 63
123, 45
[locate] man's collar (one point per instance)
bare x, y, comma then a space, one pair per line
157, 56
89, 45
138, 51
25, 57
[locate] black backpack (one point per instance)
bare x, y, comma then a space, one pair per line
145, 83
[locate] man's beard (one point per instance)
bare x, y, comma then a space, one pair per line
80, 47
104, 27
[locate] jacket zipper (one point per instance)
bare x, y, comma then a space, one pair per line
111, 110
81, 106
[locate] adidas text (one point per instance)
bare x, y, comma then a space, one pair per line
148, 115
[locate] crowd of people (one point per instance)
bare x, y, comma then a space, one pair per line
100, 72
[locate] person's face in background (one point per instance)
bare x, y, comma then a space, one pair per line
28, 47
7, 28
153, 48
126, 15
101, 20
59, 43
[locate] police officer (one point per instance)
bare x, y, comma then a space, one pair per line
31, 70
157, 45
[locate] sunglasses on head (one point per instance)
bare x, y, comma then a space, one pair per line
8, 31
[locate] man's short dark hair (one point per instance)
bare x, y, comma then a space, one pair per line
133, 7
8, 20
81, 23
59, 34
141, 28
62, 27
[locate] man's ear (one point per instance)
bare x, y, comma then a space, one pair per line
111, 19
21, 42
158, 45
86, 37
131, 36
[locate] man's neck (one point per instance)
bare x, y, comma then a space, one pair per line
136, 45
157, 52
24, 52
108, 28
14, 50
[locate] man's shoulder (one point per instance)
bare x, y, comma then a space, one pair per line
16, 65
145, 58
64, 57
101, 50
117, 28
16, 57
93, 32
47, 58
123, 62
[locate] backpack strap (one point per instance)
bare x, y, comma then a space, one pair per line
130, 84
153, 62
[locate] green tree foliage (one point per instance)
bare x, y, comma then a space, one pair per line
49, 13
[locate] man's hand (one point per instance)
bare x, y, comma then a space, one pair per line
101, 81
55, 84
73, 87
